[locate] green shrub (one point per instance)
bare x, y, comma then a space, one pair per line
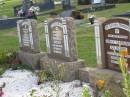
7, 56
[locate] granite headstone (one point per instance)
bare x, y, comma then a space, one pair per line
28, 35
112, 35
61, 38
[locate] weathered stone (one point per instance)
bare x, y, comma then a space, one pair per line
61, 38
32, 59
113, 79
28, 35
70, 68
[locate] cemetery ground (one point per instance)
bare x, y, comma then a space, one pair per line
85, 33
85, 44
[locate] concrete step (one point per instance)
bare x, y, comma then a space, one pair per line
113, 79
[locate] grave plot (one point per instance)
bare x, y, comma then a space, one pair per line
29, 42
61, 46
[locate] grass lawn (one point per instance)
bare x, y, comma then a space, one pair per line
85, 32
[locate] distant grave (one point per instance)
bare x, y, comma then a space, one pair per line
84, 2
48, 4
127, 14
9, 22
66, 4
109, 35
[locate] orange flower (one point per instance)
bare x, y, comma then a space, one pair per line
100, 84
124, 53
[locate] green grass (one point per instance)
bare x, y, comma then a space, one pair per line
85, 32
7, 8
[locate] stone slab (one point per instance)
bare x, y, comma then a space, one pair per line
113, 79
32, 59
70, 68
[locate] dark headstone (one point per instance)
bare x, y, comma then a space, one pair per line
84, 2
109, 35
66, 4
123, 15
9, 22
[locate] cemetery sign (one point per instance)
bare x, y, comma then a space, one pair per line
28, 36
60, 38
114, 37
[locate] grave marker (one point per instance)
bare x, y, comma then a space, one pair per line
109, 35
61, 46
61, 38
66, 4
28, 36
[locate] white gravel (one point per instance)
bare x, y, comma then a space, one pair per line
20, 83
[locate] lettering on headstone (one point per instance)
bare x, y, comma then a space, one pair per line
60, 38
115, 37
28, 37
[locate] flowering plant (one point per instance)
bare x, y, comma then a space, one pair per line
125, 71
100, 84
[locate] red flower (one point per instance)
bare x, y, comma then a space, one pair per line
1, 93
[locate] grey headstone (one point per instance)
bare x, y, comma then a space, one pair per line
28, 35
61, 38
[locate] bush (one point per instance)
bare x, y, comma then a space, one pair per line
8, 57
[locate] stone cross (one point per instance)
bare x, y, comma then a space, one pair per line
61, 38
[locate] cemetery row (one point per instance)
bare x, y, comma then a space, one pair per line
111, 36
28, 9
61, 38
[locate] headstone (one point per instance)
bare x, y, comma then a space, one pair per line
46, 5
109, 35
66, 4
98, 2
84, 2
61, 38
61, 46
28, 35
26, 5
29, 53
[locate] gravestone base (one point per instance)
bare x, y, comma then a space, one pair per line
70, 68
32, 59
113, 79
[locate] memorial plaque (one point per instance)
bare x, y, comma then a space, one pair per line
61, 38
28, 36
116, 32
